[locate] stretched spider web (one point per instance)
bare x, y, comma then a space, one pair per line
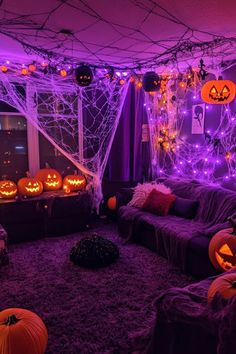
79, 122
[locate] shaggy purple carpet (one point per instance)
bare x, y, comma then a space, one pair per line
101, 311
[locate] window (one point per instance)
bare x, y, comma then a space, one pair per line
13, 146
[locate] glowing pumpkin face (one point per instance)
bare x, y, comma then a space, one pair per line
30, 187
222, 250
74, 183
218, 91
8, 189
50, 178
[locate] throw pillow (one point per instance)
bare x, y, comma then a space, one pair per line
158, 203
184, 208
141, 192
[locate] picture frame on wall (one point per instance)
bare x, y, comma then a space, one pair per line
198, 118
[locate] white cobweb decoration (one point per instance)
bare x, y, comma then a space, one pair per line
79, 122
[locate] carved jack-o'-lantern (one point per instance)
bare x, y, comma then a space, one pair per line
73, 183
50, 178
218, 91
8, 189
30, 187
22, 332
222, 249
83, 75
224, 285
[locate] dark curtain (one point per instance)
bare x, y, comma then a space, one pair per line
129, 157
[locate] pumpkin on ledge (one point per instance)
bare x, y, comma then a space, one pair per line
30, 187
8, 189
50, 178
74, 183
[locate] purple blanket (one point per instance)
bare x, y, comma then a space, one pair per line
211, 328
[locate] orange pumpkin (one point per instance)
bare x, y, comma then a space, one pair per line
31, 187
50, 178
74, 183
225, 285
8, 189
222, 250
218, 91
22, 332
111, 203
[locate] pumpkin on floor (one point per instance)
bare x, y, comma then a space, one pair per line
74, 183
22, 332
225, 285
50, 178
30, 187
111, 203
222, 249
8, 189
94, 251
218, 91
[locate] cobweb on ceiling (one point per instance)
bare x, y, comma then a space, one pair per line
65, 45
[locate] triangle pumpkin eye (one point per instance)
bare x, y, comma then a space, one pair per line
226, 250
213, 90
225, 89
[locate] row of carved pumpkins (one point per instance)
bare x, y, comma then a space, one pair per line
45, 180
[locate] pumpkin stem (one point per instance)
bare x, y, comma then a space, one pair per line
233, 224
11, 320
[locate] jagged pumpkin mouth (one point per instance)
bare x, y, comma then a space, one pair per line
52, 184
75, 182
225, 264
32, 189
8, 193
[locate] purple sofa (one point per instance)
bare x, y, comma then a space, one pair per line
182, 240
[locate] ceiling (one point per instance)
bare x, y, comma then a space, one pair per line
120, 33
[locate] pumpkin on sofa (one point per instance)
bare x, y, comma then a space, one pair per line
22, 332
50, 178
218, 91
74, 183
222, 249
8, 189
225, 285
30, 187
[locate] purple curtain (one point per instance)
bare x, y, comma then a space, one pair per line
129, 156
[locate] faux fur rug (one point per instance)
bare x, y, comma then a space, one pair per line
105, 311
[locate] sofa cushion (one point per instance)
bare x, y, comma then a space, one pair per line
184, 208
141, 192
158, 203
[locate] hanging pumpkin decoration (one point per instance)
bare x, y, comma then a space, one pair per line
151, 81
74, 183
22, 331
83, 75
218, 91
50, 178
222, 249
30, 187
8, 189
111, 203
225, 285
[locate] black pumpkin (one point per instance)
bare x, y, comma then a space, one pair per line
151, 81
83, 75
